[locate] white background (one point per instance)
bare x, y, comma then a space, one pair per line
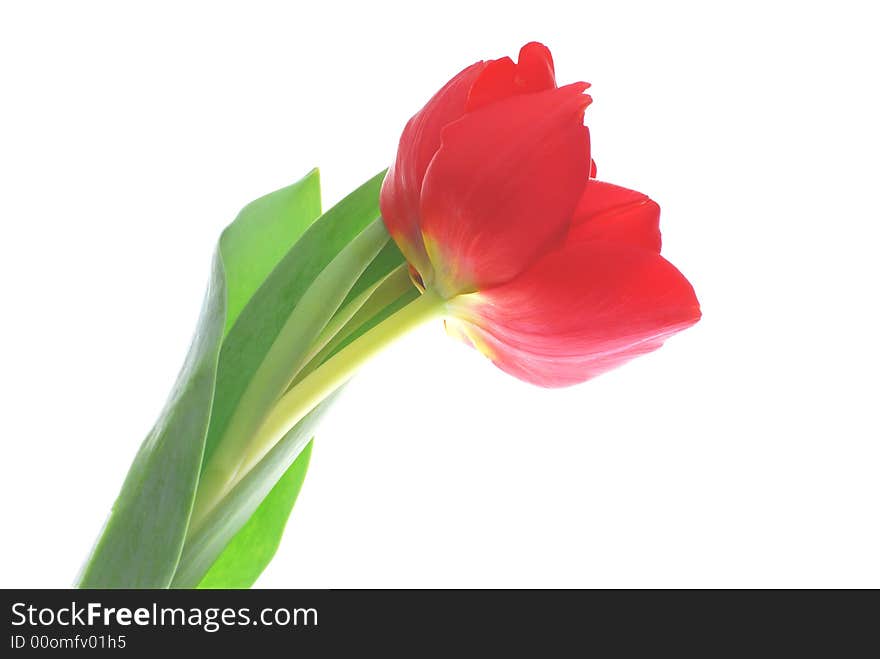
744, 453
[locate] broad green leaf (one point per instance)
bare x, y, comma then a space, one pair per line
276, 308
141, 542
252, 548
344, 251
223, 524
249, 551
238, 566
262, 234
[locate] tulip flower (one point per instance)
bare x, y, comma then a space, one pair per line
508, 236
555, 276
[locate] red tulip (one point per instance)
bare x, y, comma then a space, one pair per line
552, 274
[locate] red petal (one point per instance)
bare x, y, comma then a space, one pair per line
609, 212
502, 188
534, 70
494, 83
502, 78
419, 142
578, 312
593, 169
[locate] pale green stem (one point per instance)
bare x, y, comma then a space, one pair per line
314, 388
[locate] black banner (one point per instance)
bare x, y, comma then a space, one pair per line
411, 622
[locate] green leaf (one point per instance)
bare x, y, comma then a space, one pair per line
141, 542
249, 551
279, 278
344, 251
224, 523
252, 548
262, 234
269, 312
273, 337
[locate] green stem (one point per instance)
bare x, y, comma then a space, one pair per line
311, 390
